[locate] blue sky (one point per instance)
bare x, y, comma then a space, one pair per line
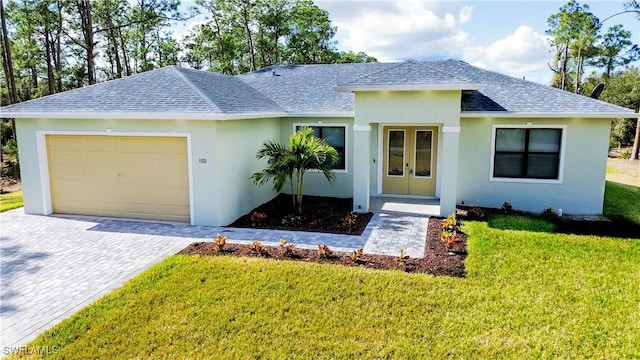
505, 36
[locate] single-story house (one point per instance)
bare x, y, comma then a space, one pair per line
179, 144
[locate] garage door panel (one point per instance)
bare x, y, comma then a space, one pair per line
65, 143
99, 143
131, 177
170, 146
173, 196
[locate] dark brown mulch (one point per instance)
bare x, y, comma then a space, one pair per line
319, 214
437, 260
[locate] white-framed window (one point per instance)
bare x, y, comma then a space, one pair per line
528, 153
336, 136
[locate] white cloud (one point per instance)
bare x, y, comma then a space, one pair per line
523, 52
396, 30
465, 14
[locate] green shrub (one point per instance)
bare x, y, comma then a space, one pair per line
550, 214
477, 213
626, 155
507, 208
350, 221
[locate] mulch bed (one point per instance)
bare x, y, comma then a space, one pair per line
438, 260
319, 214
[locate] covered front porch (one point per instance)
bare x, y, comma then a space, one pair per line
418, 178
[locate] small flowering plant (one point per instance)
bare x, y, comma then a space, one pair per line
324, 251
219, 242
287, 248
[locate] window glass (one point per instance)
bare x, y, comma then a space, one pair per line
542, 166
510, 139
527, 153
334, 136
508, 165
423, 153
395, 163
544, 140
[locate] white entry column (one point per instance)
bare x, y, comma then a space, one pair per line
448, 169
361, 171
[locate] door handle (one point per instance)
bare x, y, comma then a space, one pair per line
411, 171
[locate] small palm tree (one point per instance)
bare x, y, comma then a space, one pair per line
305, 152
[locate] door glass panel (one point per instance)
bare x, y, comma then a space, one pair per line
423, 153
395, 162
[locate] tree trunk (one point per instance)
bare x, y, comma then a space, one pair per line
578, 71
7, 60
252, 55
58, 54
565, 60
51, 81
91, 71
636, 143
299, 193
125, 59
116, 55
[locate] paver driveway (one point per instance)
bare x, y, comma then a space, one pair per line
51, 267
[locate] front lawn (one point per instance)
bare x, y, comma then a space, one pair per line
528, 294
9, 201
622, 200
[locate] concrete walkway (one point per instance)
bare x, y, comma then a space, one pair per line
52, 266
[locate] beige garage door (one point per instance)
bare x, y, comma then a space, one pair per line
121, 176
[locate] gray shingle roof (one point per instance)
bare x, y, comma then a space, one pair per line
407, 73
505, 93
169, 89
299, 89
309, 88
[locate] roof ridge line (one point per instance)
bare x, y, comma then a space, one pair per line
392, 66
429, 64
195, 88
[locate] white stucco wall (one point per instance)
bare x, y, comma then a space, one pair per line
408, 107
220, 186
581, 190
315, 183
235, 151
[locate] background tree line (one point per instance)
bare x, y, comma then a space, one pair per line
579, 40
50, 46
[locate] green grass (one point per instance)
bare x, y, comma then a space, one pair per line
623, 200
521, 222
12, 200
527, 295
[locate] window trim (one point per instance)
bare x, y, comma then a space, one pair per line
346, 141
563, 141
